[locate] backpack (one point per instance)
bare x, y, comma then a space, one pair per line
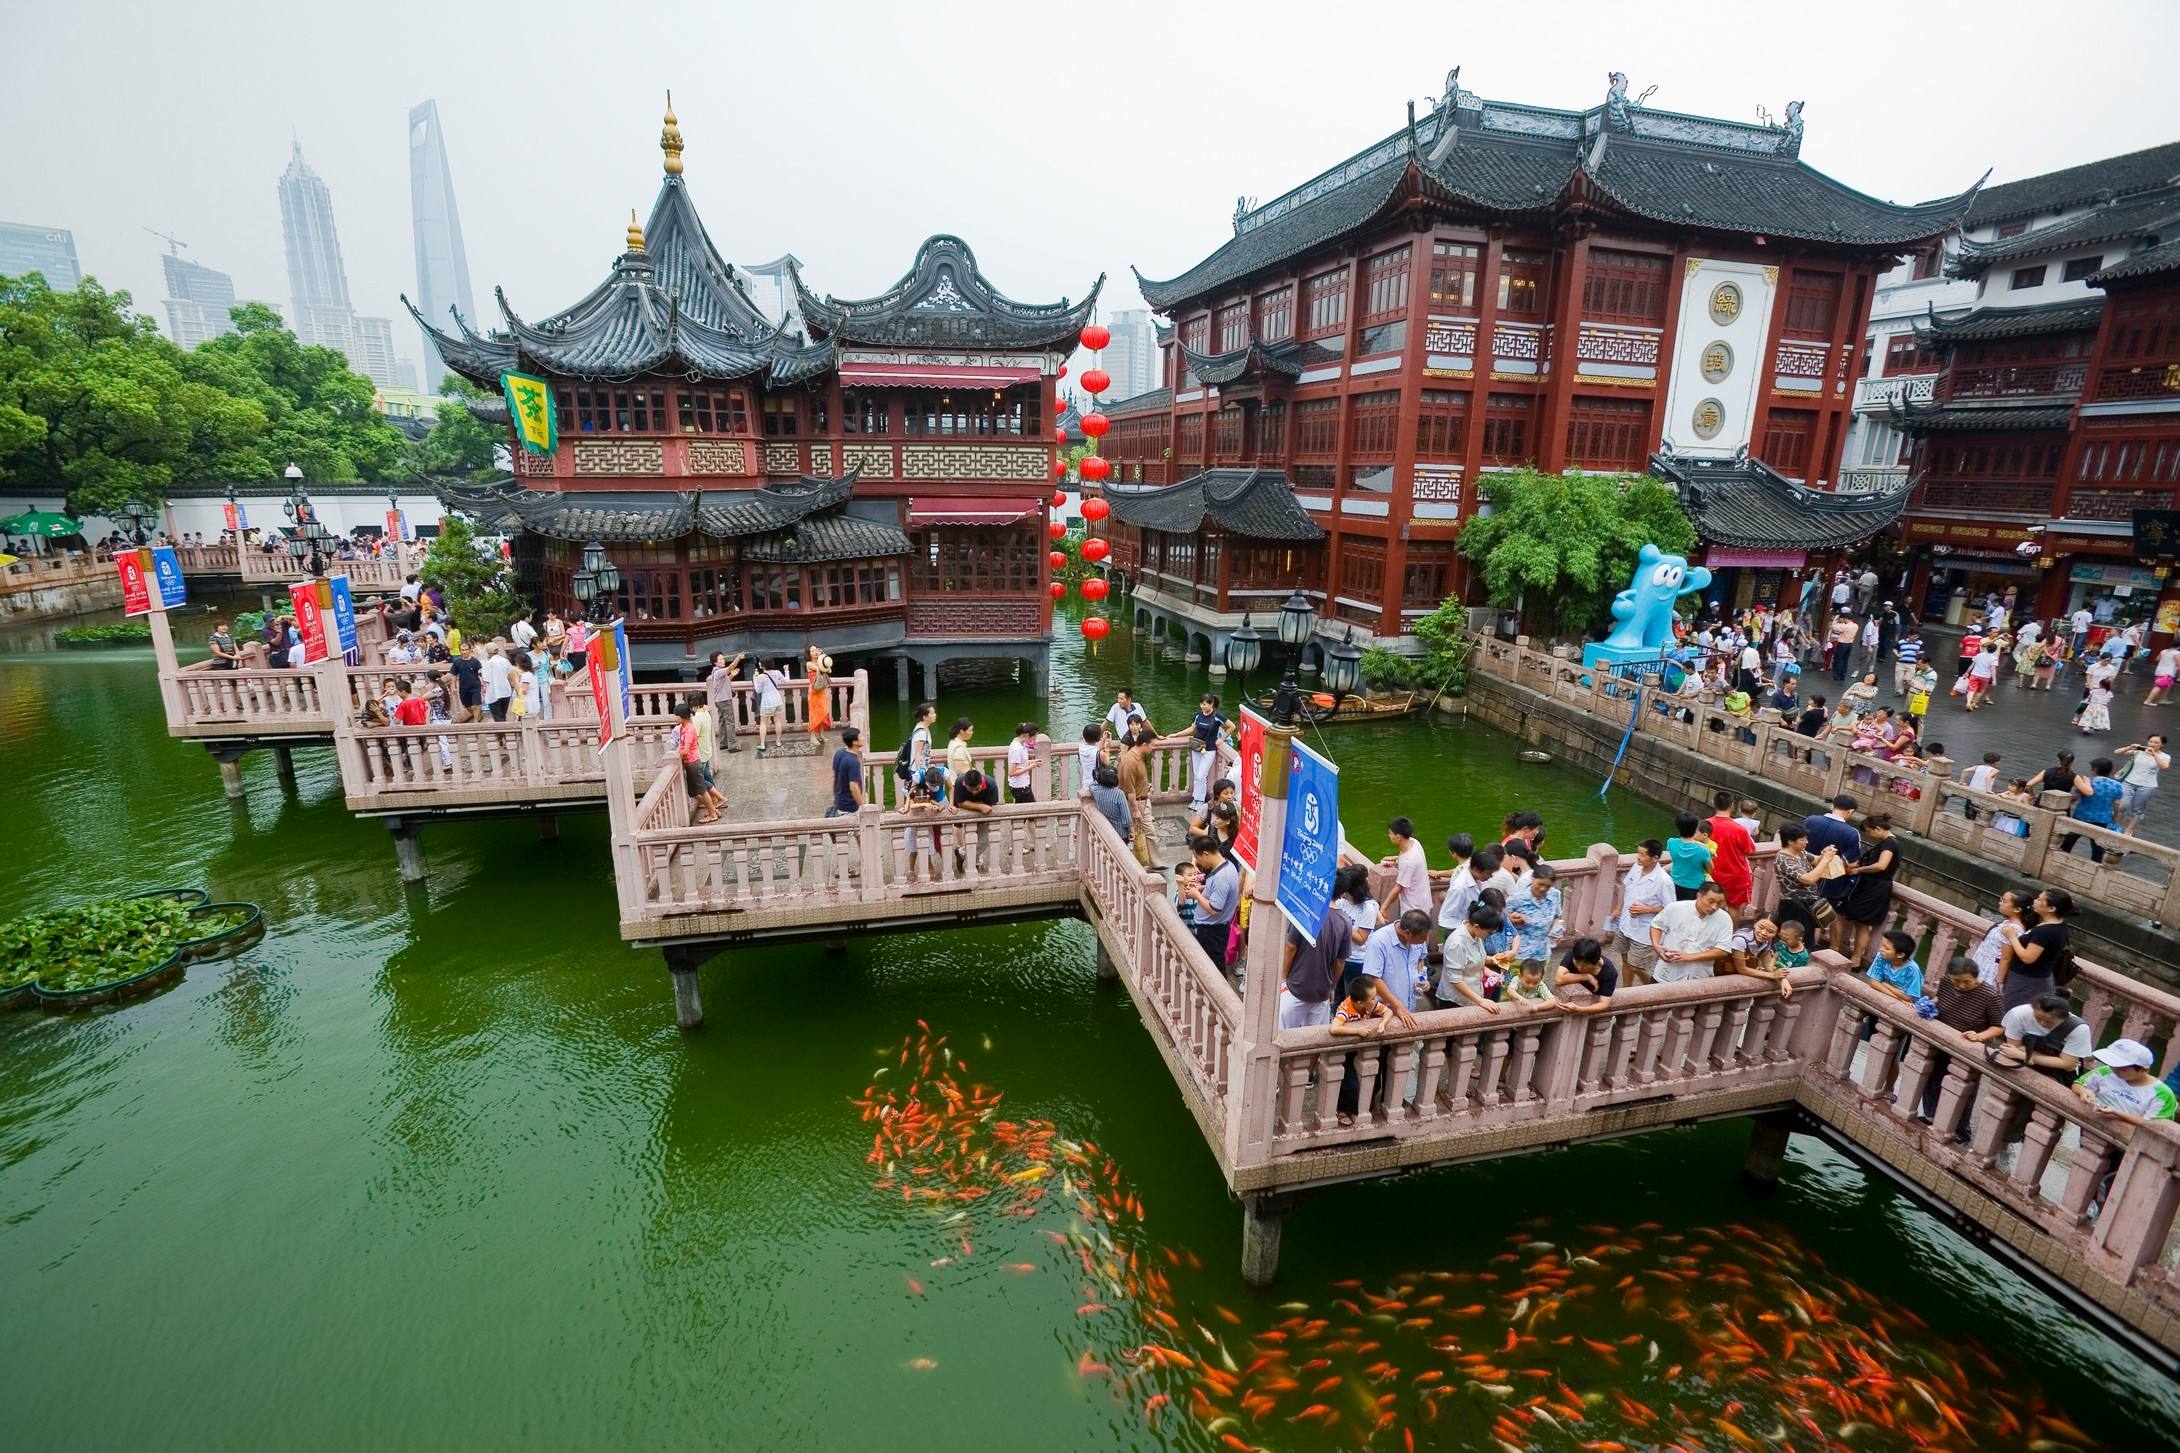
901, 760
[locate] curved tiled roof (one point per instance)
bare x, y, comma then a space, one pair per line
1747, 504
2150, 262
944, 298
1949, 418
1259, 503
1498, 158
2118, 176
796, 520
1983, 324
2152, 218
1150, 401
1281, 359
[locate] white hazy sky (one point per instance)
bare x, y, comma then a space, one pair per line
1059, 140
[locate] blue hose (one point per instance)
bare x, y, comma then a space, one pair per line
1625, 737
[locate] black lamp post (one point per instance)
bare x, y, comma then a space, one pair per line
1343, 668
1297, 623
1244, 649
307, 537
597, 583
138, 518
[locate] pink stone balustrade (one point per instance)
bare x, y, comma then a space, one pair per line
1923, 801
849, 699
245, 700
259, 566
40, 572
1470, 1069
209, 559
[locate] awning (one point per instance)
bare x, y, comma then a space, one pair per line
1723, 556
971, 510
920, 375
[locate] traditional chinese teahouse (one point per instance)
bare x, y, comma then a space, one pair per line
769, 467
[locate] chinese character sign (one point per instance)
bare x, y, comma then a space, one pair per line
344, 615
135, 584
1251, 746
530, 405
1310, 852
166, 571
309, 621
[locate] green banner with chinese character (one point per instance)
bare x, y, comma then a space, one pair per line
530, 405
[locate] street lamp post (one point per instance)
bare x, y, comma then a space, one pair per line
307, 539
138, 519
597, 583
1244, 649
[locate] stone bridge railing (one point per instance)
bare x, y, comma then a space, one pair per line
1923, 800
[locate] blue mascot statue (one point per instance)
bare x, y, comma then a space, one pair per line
1645, 609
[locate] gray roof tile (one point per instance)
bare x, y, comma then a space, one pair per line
1980, 325
1747, 504
2119, 176
1259, 503
945, 299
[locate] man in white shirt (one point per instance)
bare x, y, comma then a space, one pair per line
2079, 623
1411, 869
1124, 713
1645, 889
1393, 955
1468, 881
1691, 936
522, 633
1752, 668
499, 684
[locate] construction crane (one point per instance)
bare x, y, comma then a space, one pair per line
174, 244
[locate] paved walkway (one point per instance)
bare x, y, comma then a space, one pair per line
780, 786
2030, 728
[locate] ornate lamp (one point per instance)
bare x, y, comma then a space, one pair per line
597, 583
1297, 623
1343, 668
1244, 649
138, 519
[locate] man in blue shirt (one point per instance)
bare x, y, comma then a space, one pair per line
1393, 955
1832, 830
1894, 969
847, 774
1216, 892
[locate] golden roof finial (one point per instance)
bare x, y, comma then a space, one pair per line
670, 139
635, 232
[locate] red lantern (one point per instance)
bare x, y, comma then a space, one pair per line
1095, 467
1095, 336
1095, 509
1062, 373
1092, 549
1059, 469
1095, 425
1057, 530
1096, 588
1097, 380
1059, 501
1059, 590
1059, 559
1096, 628
1059, 432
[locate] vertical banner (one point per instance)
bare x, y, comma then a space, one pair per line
344, 616
231, 513
135, 584
1311, 851
166, 571
397, 525
309, 621
628, 677
596, 663
530, 407
1251, 748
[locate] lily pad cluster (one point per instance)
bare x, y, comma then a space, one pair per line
111, 633
113, 948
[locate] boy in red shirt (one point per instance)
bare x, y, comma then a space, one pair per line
1730, 867
412, 709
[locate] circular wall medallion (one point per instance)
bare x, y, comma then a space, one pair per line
1717, 362
1725, 303
1709, 418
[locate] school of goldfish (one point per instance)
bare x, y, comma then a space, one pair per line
1707, 1339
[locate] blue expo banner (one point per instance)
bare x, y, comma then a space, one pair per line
1310, 851
628, 679
166, 569
344, 615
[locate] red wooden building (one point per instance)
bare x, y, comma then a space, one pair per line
870, 475
2048, 456
1491, 286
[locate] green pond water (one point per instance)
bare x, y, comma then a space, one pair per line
431, 1167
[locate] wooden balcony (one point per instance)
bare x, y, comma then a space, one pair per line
2014, 381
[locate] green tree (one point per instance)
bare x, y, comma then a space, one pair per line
1563, 545
1443, 666
318, 414
479, 590
460, 444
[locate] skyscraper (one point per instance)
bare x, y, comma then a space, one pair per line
48, 250
316, 278
1132, 355
442, 268
371, 352
198, 298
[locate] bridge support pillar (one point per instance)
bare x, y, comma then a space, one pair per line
900, 679
408, 850
548, 829
231, 777
688, 1004
1040, 668
1768, 1137
1108, 971
284, 764
1262, 1215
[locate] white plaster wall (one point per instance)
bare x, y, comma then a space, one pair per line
1737, 392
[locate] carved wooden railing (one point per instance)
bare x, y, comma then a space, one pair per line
1922, 800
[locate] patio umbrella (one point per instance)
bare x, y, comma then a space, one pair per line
41, 524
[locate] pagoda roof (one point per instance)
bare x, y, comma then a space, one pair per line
1979, 325
795, 520
2150, 262
1258, 503
1745, 503
1280, 360
1499, 158
2151, 218
2075, 186
1950, 418
944, 299
1150, 401
670, 304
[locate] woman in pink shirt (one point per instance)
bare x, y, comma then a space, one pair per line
1411, 868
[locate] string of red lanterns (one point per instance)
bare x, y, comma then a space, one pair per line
1094, 468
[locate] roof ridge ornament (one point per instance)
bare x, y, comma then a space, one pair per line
670, 138
635, 234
